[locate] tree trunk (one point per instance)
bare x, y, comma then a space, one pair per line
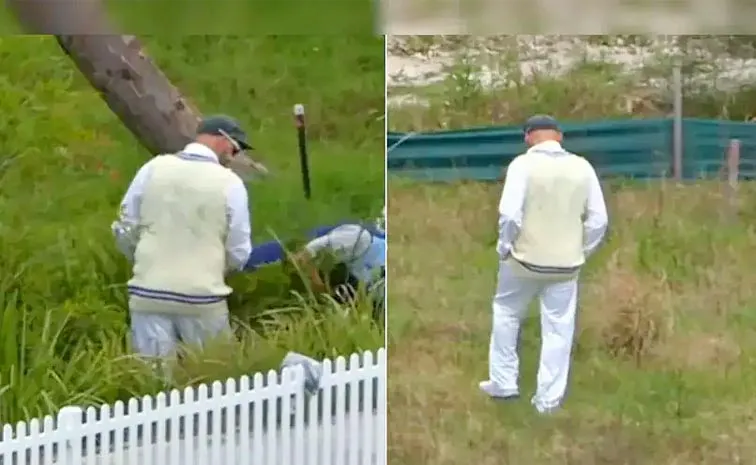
61, 16
133, 87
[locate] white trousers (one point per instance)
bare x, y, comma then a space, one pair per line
159, 334
558, 298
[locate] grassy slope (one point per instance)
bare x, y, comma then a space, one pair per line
664, 358
67, 161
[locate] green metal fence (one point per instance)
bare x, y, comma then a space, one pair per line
629, 148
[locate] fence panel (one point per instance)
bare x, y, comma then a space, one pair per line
264, 420
634, 148
631, 148
705, 144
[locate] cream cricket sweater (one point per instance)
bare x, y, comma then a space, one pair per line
180, 258
553, 192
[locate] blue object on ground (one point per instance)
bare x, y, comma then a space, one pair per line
265, 254
273, 251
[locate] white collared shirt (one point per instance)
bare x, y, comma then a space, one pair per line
238, 242
512, 203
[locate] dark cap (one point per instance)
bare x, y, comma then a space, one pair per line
219, 124
540, 122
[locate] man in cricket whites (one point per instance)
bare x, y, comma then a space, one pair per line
185, 224
359, 247
552, 217
363, 251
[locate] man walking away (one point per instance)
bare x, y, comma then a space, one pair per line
185, 224
552, 217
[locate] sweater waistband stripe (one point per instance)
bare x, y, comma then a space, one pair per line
548, 269
174, 296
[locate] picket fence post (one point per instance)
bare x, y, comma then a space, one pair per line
69, 422
334, 419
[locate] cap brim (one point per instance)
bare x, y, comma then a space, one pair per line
243, 144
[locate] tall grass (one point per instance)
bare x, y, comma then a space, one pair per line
66, 161
663, 357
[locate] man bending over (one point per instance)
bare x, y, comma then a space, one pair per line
185, 224
361, 248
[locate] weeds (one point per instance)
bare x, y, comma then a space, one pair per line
502, 80
661, 360
66, 163
665, 330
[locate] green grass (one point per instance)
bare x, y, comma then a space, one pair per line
66, 162
664, 356
663, 361
260, 17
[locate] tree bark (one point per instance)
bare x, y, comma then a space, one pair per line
133, 87
61, 16
115, 65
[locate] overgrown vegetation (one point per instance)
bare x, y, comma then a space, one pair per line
66, 161
664, 355
502, 80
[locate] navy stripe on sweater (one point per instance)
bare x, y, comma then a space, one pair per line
178, 297
547, 269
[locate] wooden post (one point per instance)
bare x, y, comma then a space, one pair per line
733, 174
677, 124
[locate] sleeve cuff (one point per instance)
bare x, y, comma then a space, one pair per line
503, 250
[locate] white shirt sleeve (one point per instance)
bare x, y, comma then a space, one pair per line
596, 217
347, 243
239, 238
125, 229
511, 206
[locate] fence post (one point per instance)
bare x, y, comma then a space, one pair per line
677, 124
69, 421
733, 175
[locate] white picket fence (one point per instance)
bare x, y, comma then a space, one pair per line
259, 421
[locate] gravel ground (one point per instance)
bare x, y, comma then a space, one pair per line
409, 65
